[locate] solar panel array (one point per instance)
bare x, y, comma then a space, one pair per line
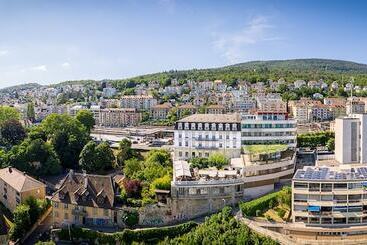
325, 173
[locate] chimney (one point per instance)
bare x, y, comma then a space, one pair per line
71, 173
10, 170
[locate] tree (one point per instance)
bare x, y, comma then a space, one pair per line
124, 152
94, 158
22, 222
161, 157
86, 118
217, 160
8, 113
67, 136
35, 156
12, 132
330, 144
31, 115
132, 167
172, 115
163, 183
132, 188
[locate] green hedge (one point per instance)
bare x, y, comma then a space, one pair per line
284, 197
155, 234
127, 236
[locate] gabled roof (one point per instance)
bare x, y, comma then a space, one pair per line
18, 180
86, 190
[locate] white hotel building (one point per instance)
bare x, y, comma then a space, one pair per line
199, 135
268, 128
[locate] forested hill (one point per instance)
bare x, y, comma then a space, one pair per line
306, 64
290, 70
254, 71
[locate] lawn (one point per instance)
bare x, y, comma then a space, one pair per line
264, 149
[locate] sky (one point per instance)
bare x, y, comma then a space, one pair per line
49, 41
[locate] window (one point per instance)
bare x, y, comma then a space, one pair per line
95, 211
180, 136
106, 212
66, 206
56, 214
66, 216
300, 185
56, 204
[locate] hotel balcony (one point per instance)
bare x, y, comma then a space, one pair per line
79, 212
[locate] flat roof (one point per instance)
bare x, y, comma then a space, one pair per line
338, 173
208, 118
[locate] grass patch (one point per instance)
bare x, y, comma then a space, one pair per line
264, 149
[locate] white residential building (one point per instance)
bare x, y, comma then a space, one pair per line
351, 139
200, 135
268, 128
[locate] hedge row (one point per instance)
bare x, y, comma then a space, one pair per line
127, 236
262, 204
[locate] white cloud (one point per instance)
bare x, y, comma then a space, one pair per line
233, 46
66, 65
39, 68
4, 52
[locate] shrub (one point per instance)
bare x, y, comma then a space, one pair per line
217, 160
263, 203
132, 188
131, 218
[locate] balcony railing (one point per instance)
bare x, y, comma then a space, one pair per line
79, 212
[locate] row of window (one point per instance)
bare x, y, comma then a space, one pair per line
269, 125
261, 142
205, 191
257, 134
330, 220
351, 198
326, 187
208, 126
201, 146
207, 137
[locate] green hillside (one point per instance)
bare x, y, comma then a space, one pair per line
290, 70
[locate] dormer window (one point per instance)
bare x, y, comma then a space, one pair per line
200, 126
228, 127
234, 127
193, 126
220, 126
214, 127
179, 126
186, 126
206, 127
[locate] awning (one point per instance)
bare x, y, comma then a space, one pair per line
314, 208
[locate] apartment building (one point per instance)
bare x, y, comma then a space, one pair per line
215, 109
140, 102
350, 139
160, 111
268, 128
18, 186
355, 106
116, 117
330, 196
200, 135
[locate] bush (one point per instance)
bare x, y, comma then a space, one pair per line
263, 203
131, 218
217, 160
127, 236
199, 162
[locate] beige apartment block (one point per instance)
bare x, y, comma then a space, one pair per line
18, 186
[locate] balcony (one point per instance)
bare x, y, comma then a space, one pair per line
206, 147
79, 212
205, 139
